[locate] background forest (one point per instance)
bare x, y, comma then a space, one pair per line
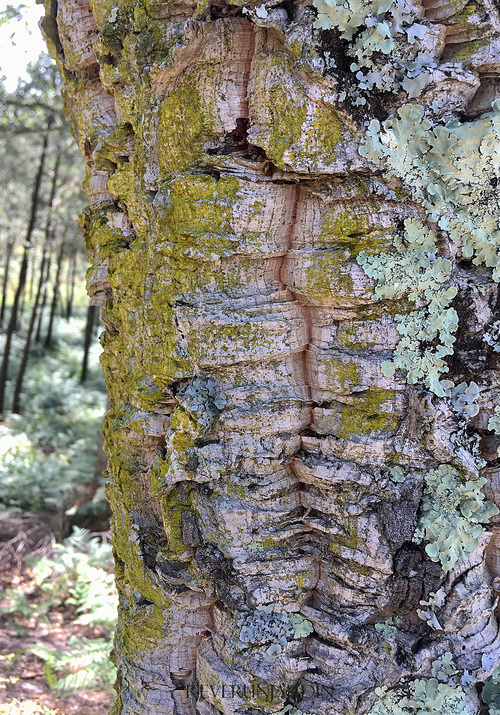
57, 599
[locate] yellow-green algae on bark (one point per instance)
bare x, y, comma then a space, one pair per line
253, 426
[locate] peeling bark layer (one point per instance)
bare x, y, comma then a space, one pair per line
258, 534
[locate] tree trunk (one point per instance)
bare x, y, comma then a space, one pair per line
31, 278
22, 298
5, 282
16, 406
71, 287
38, 335
55, 296
4, 370
16, 403
89, 330
294, 521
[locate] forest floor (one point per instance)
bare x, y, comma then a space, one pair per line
24, 689
48, 465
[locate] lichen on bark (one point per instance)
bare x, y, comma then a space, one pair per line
267, 470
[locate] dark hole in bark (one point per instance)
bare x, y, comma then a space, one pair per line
289, 6
149, 554
221, 8
143, 602
88, 149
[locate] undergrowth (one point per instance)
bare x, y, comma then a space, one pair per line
76, 575
48, 454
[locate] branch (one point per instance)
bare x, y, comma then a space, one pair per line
9, 129
35, 104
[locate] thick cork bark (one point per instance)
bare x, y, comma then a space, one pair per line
258, 535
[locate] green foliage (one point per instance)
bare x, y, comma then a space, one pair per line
24, 117
25, 707
79, 573
419, 697
452, 514
51, 449
11, 12
15, 602
35, 100
85, 665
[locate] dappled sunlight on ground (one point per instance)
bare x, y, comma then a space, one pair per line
24, 689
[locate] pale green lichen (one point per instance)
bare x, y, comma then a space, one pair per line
462, 397
494, 422
448, 169
444, 668
348, 15
419, 697
388, 628
490, 694
374, 28
427, 614
492, 336
414, 271
290, 710
396, 474
452, 513
202, 398
264, 626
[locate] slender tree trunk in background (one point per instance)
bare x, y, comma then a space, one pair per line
267, 467
38, 335
23, 270
16, 403
89, 329
31, 277
55, 296
71, 287
22, 297
5, 282
16, 406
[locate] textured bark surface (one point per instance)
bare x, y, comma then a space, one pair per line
251, 428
